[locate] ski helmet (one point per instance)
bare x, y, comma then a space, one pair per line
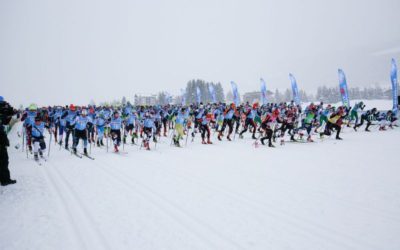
72, 107
32, 107
1, 99
84, 112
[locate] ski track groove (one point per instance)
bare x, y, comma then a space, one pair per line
372, 211
290, 219
316, 193
305, 221
64, 206
201, 234
84, 217
306, 232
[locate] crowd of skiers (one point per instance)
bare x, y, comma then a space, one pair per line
270, 122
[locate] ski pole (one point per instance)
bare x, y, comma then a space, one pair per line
48, 152
60, 139
172, 138
23, 139
90, 143
106, 137
187, 136
123, 139
26, 149
155, 137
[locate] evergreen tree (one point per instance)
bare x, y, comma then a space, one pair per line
219, 92
229, 96
278, 96
287, 97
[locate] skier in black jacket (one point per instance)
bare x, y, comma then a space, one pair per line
6, 112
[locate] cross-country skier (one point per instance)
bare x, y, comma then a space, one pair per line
369, 116
181, 117
228, 121
204, 128
149, 129
130, 124
267, 127
29, 119
39, 144
69, 116
82, 122
250, 115
115, 130
100, 123
335, 121
354, 112
309, 120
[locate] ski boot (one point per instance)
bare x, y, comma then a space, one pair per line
309, 139
271, 145
85, 151
36, 156
5, 183
229, 137
203, 142
208, 141
176, 142
338, 138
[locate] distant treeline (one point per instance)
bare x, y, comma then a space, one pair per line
324, 93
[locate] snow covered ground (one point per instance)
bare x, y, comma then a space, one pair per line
384, 104
324, 195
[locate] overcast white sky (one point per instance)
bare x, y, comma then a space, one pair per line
59, 52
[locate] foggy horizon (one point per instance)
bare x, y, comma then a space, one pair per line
61, 52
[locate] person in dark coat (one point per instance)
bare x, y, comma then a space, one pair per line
6, 112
